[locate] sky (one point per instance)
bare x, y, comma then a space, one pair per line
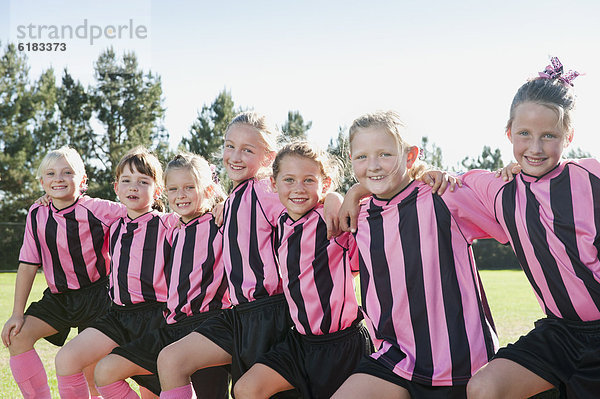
450, 69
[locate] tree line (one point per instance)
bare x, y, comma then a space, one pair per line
122, 107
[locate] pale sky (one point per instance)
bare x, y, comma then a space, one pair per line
449, 68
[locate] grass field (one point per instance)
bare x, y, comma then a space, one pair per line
512, 301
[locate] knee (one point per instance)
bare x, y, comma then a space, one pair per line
103, 372
479, 388
20, 343
66, 361
167, 361
246, 389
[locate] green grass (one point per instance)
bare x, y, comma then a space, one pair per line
513, 304
47, 351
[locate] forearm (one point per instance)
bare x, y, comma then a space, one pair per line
23, 284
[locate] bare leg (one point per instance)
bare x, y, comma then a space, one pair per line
113, 368
84, 350
260, 381
147, 394
368, 386
179, 360
88, 372
491, 381
33, 329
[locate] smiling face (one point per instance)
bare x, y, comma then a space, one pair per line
299, 184
61, 183
537, 137
378, 164
244, 153
183, 194
136, 191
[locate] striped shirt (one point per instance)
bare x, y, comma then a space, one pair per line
139, 252
317, 280
249, 224
194, 273
420, 286
553, 223
70, 243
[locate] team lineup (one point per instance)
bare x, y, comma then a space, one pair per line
252, 294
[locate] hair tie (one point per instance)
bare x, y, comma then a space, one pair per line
215, 175
555, 71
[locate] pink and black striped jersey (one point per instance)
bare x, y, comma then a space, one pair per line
195, 274
553, 223
317, 280
249, 224
419, 284
139, 251
70, 243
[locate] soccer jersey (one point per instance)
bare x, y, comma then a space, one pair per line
194, 273
70, 243
250, 219
553, 223
317, 280
139, 253
420, 286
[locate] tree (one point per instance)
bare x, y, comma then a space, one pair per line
340, 148
128, 104
18, 147
577, 153
487, 160
295, 128
432, 155
208, 130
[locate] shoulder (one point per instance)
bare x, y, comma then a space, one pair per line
589, 164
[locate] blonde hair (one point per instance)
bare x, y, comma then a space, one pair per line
390, 122
70, 155
329, 166
268, 134
146, 163
201, 171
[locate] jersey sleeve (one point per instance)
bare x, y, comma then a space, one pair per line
30, 253
353, 254
269, 201
485, 185
475, 220
590, 164
106, 211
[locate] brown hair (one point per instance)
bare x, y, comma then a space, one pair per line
142, 160
551, 93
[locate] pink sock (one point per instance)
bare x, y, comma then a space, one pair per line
184, 392
73, 386
117, 390
29, 373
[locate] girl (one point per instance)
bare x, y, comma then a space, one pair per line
259, 317
137, 281
551, 215
196, 281
419, 285
328, 340
67, 239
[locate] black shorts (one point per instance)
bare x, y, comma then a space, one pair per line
77, 308
564, 353
317, 365
248, 331
211, 383
124, 324
371, 366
